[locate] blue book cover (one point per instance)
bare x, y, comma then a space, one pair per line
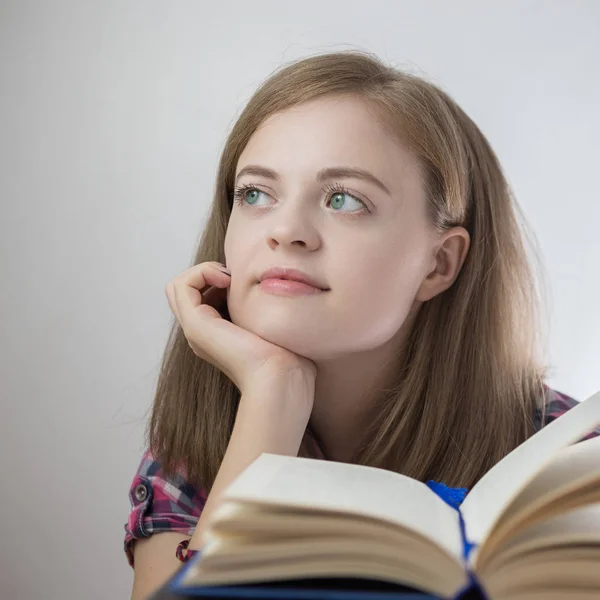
313, 589
306, 589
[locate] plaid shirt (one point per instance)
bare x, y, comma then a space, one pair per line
160, 504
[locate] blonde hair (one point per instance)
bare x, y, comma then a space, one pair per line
472, 378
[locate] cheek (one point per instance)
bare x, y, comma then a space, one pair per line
237, 255
378, 292
234, 260
227, 245
385, 271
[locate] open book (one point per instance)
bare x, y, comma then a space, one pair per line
533, 522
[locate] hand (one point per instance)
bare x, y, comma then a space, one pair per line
195, 297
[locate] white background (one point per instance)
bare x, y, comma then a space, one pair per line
112, 119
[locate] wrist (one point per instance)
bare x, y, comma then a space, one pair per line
291, 390
276, 411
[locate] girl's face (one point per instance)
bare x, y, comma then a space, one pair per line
370, 243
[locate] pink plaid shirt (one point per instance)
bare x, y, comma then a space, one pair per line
160, 504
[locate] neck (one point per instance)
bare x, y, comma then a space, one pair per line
346, 390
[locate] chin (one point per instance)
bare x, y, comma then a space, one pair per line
294, 337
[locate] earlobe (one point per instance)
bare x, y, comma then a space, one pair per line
450, 254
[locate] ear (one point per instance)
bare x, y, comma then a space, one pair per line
449, 254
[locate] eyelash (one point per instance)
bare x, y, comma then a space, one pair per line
333, 188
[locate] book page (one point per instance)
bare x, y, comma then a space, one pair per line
575, 468
569, 481
368, 491
487, 499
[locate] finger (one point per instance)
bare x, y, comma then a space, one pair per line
197, 280
170, 293
198, 323
170, 287
214, 296
187, 289
201, 276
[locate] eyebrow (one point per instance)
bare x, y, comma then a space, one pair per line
322, 175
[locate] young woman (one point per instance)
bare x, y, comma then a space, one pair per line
414, 342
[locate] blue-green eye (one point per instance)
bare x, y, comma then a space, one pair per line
246, 193
249, 194
337, 199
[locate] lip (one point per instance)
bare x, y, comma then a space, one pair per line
291, 275
288, 287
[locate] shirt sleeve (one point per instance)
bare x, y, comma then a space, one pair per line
160, 504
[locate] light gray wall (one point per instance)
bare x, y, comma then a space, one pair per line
112, 117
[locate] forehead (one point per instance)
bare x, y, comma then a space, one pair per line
328, 131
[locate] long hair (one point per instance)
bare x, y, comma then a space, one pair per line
471, 378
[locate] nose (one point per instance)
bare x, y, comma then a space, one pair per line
292, 225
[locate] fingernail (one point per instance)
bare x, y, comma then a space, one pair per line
225, 270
